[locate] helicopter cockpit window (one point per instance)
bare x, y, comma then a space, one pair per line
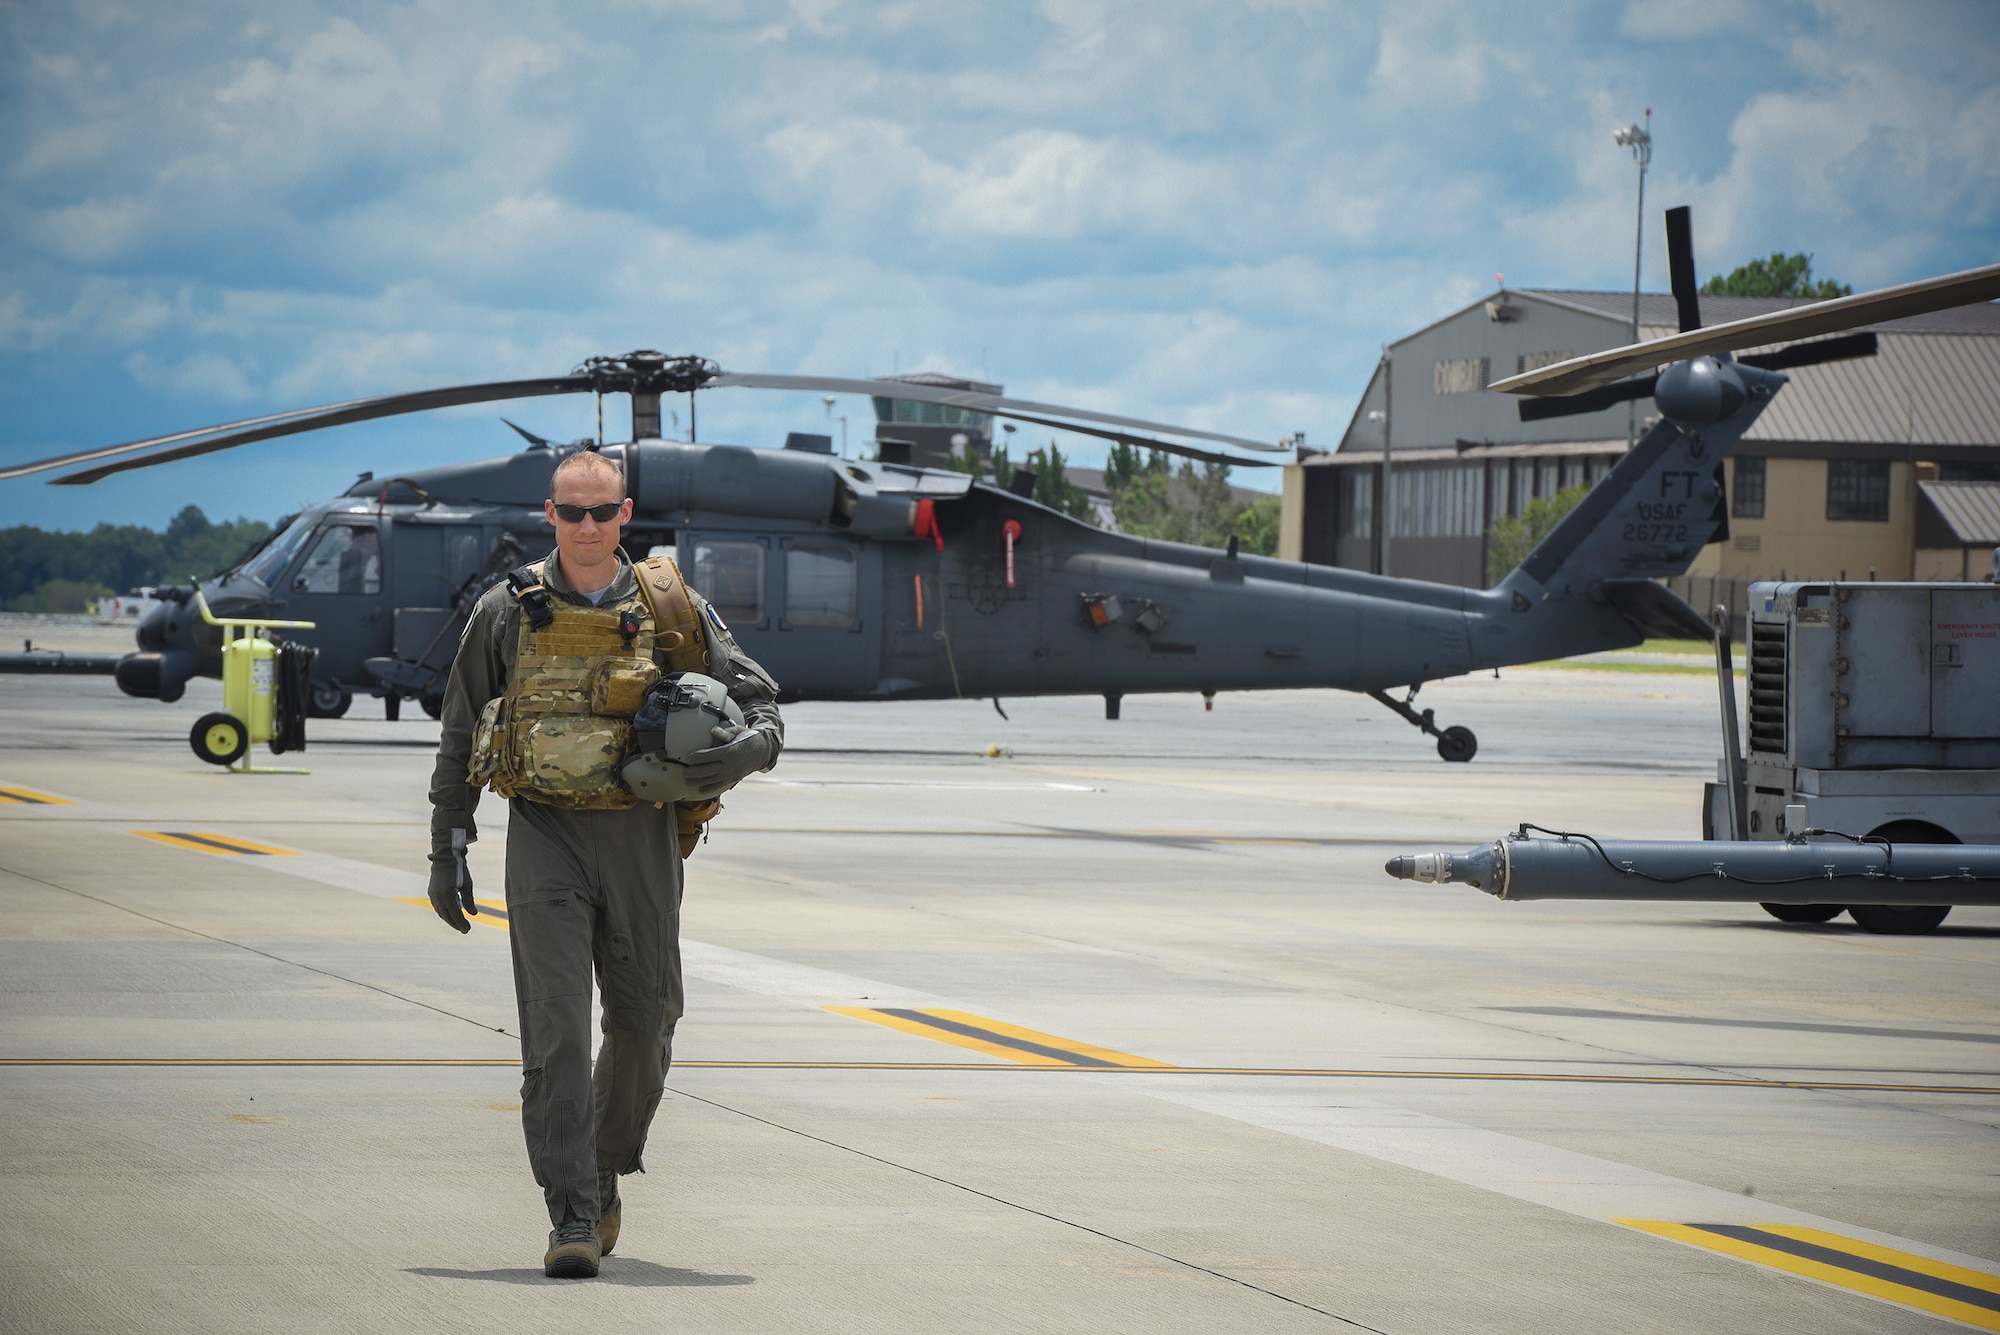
269, 564
820, 587
347, 559
731, 576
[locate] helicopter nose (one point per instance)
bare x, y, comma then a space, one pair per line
152, 632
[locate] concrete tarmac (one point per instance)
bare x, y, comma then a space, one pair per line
1119, 1028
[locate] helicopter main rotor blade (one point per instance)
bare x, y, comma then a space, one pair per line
1840, 349
1820, 317
313, 419
1590, 401
991, 404
1185, 451
111, 451
1641, 387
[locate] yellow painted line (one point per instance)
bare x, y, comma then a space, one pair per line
28, 797
1903, 1278
492, 912
1028, 1047
222, 845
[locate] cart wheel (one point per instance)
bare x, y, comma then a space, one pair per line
1898, 919
1458, 744
220, 739
1803, 912
1904, 919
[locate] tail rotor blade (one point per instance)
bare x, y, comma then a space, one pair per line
1680, 265
1812, 354
1590, 401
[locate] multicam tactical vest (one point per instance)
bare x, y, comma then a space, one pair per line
580, 673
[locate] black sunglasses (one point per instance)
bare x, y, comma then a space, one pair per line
573, 514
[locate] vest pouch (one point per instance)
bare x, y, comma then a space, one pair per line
571, 760
691, 822
617, 686
488, 761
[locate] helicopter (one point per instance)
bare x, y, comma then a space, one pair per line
875, 580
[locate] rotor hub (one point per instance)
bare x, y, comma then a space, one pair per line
648, 372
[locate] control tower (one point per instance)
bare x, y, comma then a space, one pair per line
907, 432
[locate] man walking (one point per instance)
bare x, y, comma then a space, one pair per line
552, 666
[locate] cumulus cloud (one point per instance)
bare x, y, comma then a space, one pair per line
1213, 214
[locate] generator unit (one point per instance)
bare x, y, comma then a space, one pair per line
1875, 708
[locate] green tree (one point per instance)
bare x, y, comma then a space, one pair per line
1195, 505
1510, 540
115, 557
1257, 526
1126, 464
1779, 276
59, 595
965, 459
1056, 491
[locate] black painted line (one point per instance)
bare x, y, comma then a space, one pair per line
1860, 1265
15, 795
221, 845
1003, 1040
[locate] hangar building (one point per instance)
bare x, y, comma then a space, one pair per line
1885, 467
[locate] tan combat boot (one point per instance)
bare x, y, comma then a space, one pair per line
573, 1250
609, 1208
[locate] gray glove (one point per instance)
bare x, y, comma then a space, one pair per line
738, 753
451, 884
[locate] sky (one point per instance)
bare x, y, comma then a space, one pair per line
1205, 213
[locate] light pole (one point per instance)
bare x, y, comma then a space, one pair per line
1382, 502
1640, 140
828, 400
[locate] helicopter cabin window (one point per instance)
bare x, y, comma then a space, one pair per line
267, 567
347, 559
820, 586
731, 576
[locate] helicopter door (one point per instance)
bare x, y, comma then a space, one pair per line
339, 586
822, 613
433, 562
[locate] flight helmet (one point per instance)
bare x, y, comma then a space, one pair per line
679, 718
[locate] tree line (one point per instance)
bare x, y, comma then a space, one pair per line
42, 571
1151, 497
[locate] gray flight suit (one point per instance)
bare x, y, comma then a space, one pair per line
586, 890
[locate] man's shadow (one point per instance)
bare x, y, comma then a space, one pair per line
618, 1270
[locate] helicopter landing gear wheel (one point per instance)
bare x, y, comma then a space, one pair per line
432, 704
1803, 912
220, 739
327, 701
1457, 744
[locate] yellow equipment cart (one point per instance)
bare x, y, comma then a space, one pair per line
265, 685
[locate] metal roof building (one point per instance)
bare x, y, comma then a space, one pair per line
1824, 484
